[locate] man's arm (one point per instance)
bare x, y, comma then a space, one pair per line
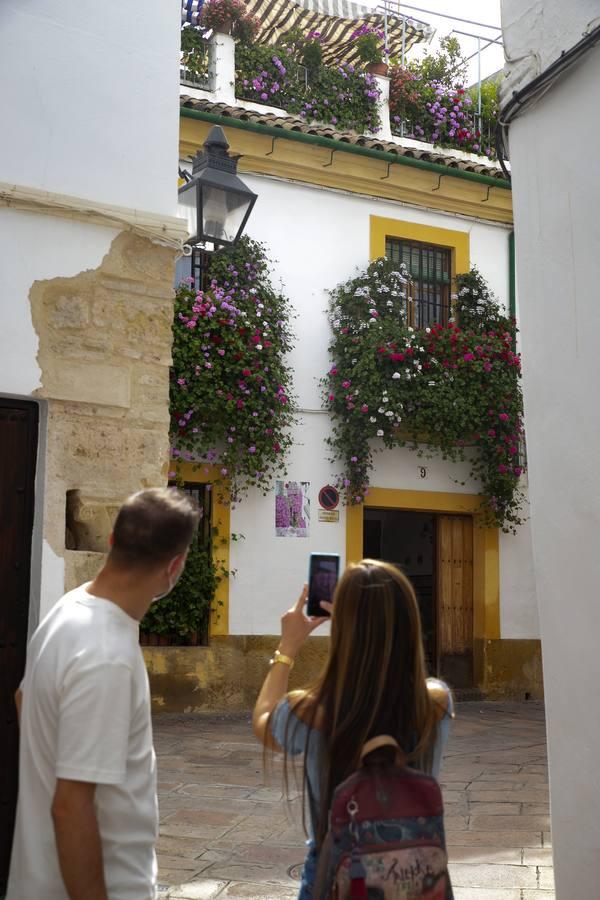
78, 840
19, 703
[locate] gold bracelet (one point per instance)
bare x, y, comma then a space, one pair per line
279, 657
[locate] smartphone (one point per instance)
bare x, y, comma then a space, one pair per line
323, 574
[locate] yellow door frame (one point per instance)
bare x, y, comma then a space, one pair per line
486, 549
194, 473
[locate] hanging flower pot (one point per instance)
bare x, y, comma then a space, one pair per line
378, 68
224, 27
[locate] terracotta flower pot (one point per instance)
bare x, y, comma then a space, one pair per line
226, 27
380, 68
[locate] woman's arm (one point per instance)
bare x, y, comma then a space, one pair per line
296, 626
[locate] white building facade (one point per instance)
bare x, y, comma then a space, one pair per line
554, 69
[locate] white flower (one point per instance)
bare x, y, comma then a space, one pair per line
373, 312
390, 303
380, 433
410, 328
372, 419
354, 361
396, 376
372, 321
381, 410
390, 413
428, 330
386, 399
431, 383
259, 346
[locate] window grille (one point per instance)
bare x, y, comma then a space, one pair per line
430, 267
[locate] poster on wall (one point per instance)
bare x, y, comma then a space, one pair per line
292, 509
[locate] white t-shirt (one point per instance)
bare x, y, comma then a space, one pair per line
86, 717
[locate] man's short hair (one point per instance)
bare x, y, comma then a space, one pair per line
153, 526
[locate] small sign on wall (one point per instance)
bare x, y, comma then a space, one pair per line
329, 497
329, 515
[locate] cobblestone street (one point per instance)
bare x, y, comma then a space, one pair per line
225, 834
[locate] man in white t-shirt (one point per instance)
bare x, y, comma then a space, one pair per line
87, 813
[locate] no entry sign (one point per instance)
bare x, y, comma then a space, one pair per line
328, 497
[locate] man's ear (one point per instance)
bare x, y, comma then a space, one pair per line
178, 562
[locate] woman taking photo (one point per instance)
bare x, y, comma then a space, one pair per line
373, 683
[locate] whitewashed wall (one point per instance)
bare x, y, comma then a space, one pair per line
556, 199
92, 112
318, 238
93, 109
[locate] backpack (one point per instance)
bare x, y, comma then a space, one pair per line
386, 834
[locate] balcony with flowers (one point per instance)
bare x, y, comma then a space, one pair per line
349, 75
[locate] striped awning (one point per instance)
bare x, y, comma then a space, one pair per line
336, 20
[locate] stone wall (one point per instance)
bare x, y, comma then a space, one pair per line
104, 351
227, 675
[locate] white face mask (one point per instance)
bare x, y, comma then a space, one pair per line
171, 582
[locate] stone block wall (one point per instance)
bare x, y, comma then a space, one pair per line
104, 351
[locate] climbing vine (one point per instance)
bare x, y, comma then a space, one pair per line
449, 389
231, 400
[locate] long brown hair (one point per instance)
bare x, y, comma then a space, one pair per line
374, 681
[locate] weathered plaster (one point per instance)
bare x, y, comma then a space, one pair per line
104, 354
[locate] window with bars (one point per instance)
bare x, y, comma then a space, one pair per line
194, 266
431, 270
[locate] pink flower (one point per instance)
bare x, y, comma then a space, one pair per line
354, 459
346, 384
364, 408
469, 357
223, 471
518, 471
502, 468
491, 433
252, 449
504, 417
181, 381
240, 404
331, 398
333, 371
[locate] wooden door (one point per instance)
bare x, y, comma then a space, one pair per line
455, 598
18, 452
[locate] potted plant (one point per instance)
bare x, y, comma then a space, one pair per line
223, 15
371, 49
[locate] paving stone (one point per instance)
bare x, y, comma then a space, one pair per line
509, 823
226, 832
496, 876
242, 889
197, 890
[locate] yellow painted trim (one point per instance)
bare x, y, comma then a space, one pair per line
354, 174
486, 544
201, 474
457, 241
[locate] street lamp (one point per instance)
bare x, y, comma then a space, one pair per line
215, 201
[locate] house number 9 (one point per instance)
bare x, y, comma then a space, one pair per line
423, 471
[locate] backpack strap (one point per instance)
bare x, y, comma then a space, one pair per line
382, 740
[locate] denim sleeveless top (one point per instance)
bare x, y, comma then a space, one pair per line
292, 734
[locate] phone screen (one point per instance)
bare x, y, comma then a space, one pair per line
323, 575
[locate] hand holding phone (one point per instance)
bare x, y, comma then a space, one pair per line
323, 574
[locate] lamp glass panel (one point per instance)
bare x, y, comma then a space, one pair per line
188, 209
223, 213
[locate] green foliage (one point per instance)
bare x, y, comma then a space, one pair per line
231, 401
369, 49
187, 608
447, 390
429, 101
447, 64
194, 53
292, 77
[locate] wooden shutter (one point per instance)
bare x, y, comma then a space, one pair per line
455, 584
